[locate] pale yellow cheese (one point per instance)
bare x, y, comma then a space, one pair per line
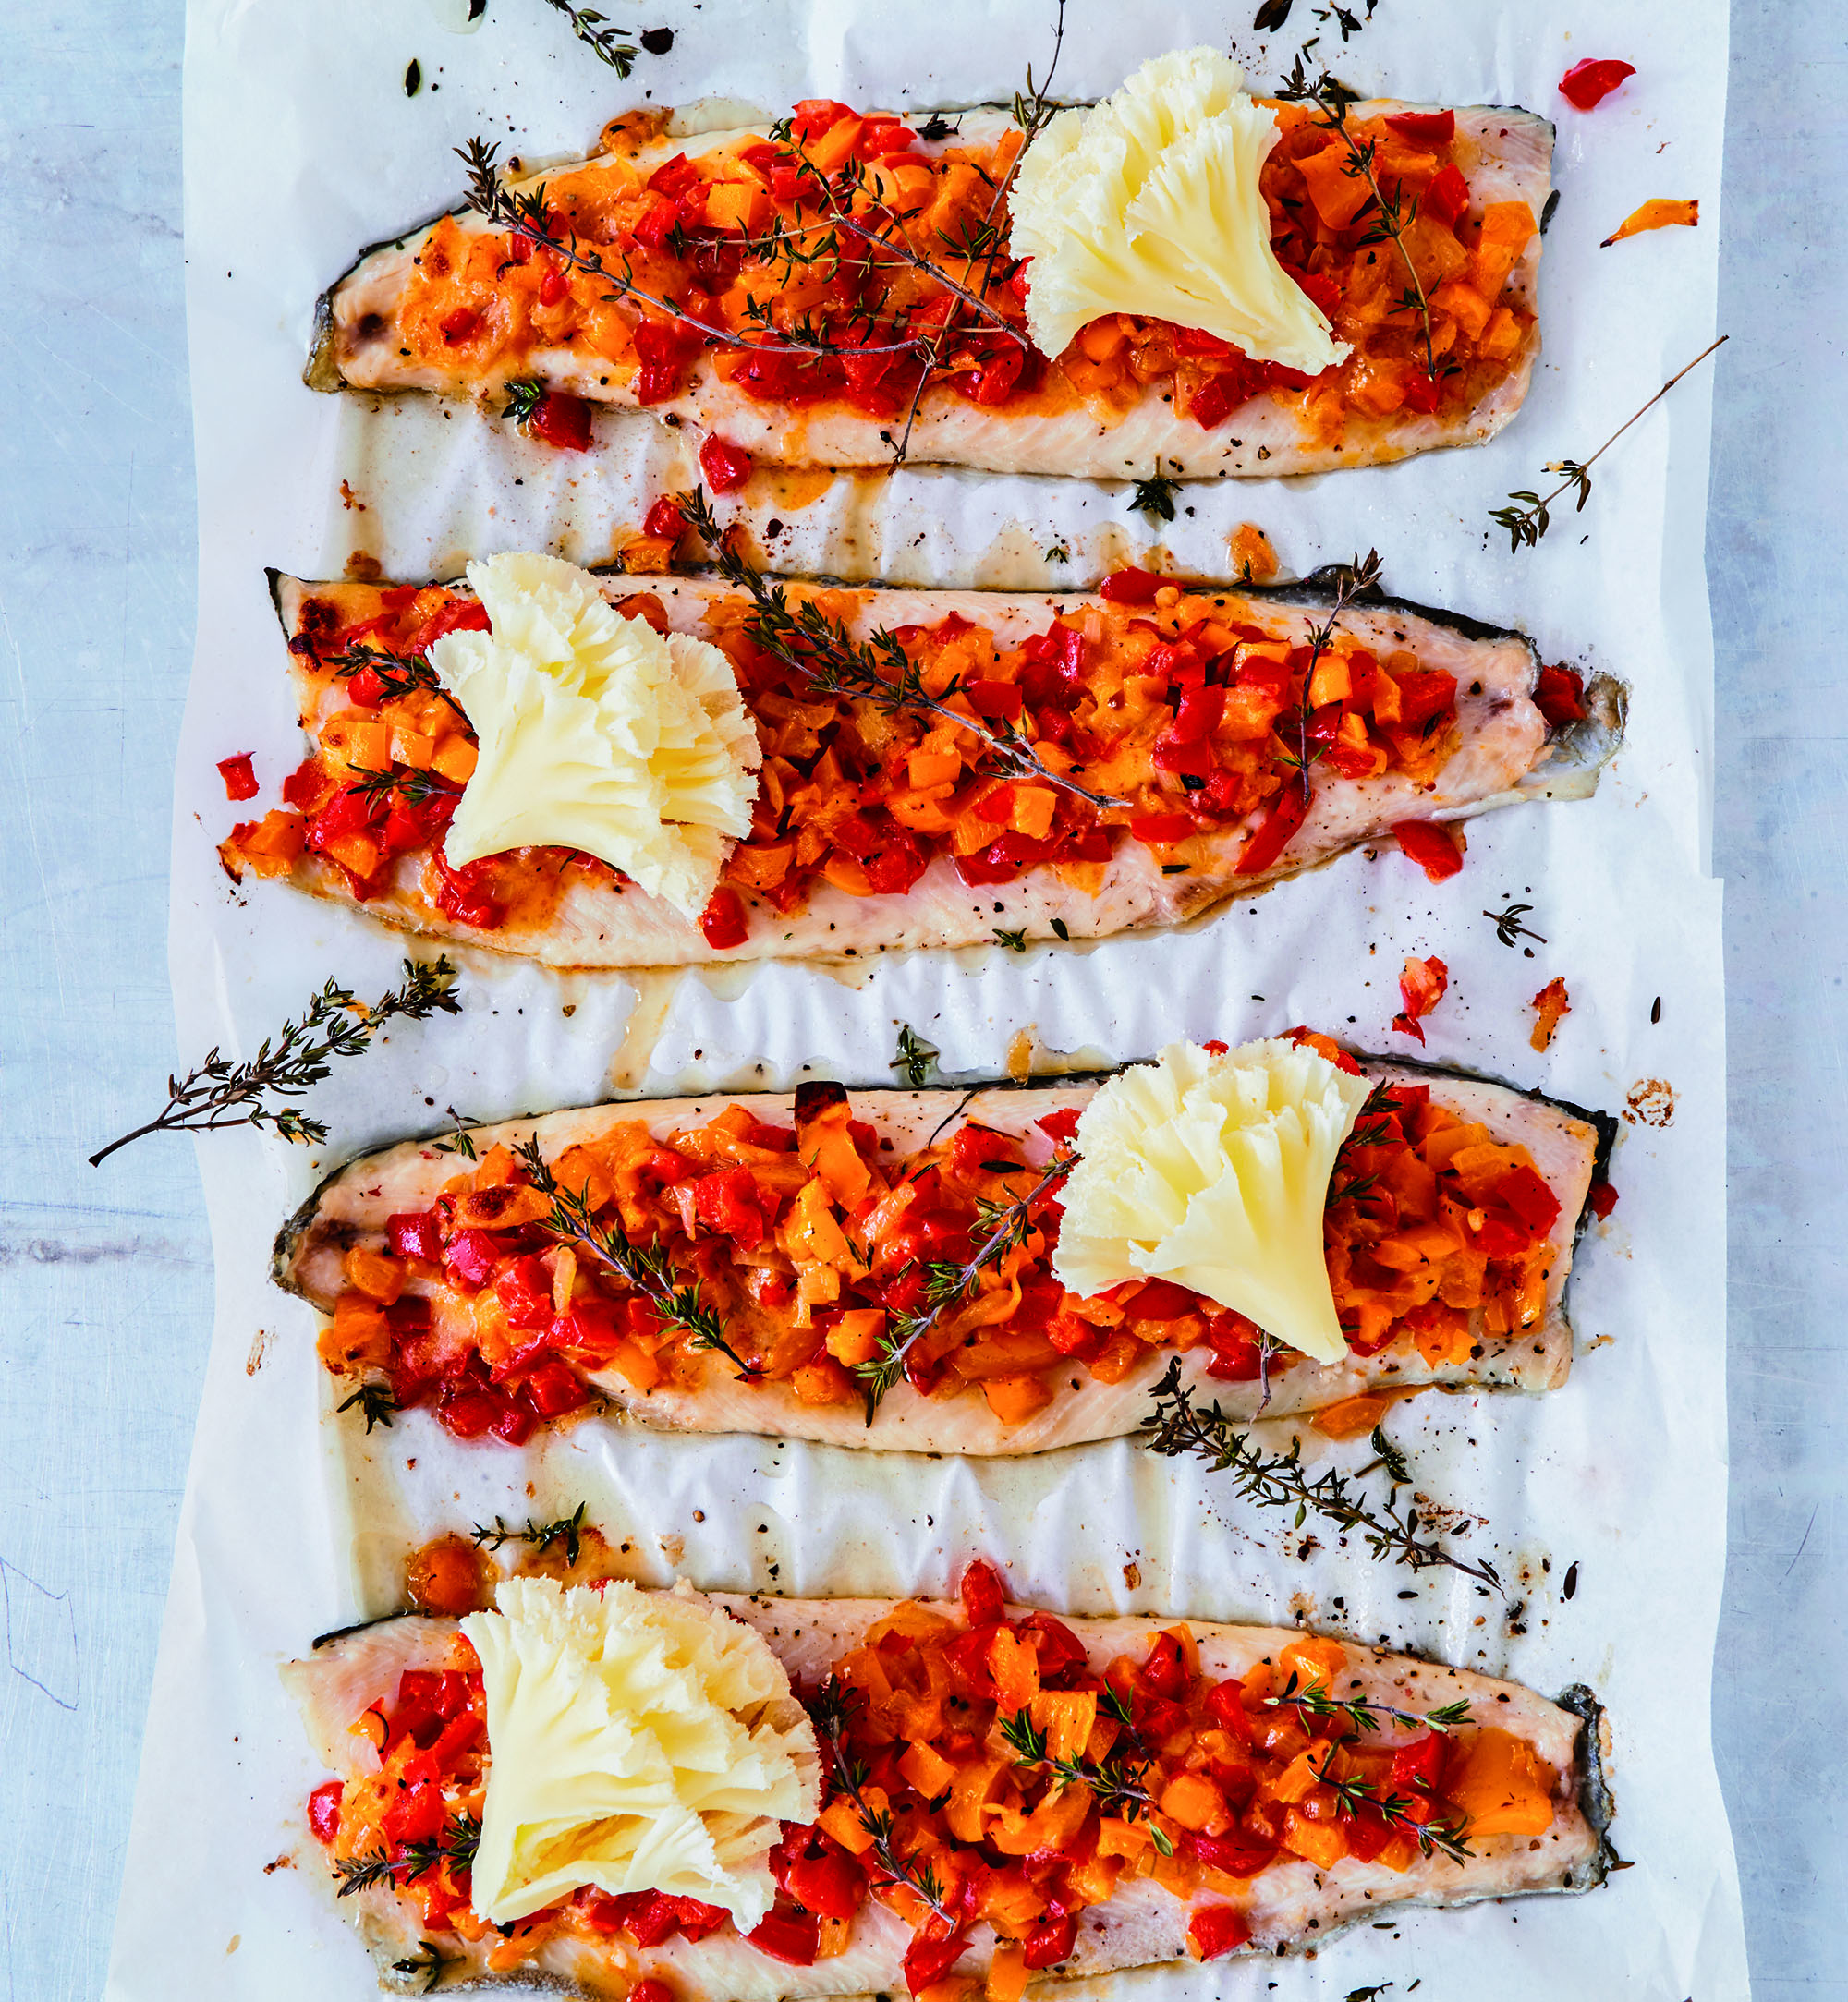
1213, 1171
1149, 203
637, 1741
597, 733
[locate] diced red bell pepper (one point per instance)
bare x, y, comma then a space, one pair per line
673, 177
323, 1810
1061, 1653
1587, 85
1002, 860
1559, 694
453, 615
1050, 1941
1282, 818
927, 1960
240, 781
815, 115
786, 1935
460, 325
995, 380
468, 1413
1602, 1199
730, 1202
1418, 1766
722, 923
1055, 665
650, 1988
1199, 713
1423, 393
1236, 1357
1130, 586
1431, 846
1171, 754
471, 1255
1500, 1235
1424, 692
983, 1595
829, 1883
1163, 1672
991, 698
553, 1388
726, 467
1216, 1929
1447, 198
893, 861
1058, 1126
1238, 1855
1426, 128
1531, 1198
467, 895
1225, 1706
1422, 986
665, 350
561, 420
418, 1812
525, 1290
665, 519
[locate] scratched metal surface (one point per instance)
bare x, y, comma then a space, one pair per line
104, 1276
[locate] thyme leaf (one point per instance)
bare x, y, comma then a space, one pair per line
397, 674
219, 1093
914, 1056
1016, 941
876, 670
1176, 1426
1447, 1838
565, 1529
1301, 751
380, 788
1313, 1700
1527, 524
649, 1268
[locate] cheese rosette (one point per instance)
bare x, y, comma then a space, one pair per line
1149, 203
1212, 1171
638, 1740
597, 733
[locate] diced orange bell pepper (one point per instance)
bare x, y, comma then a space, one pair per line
1014, 1400
1338, 192
1314, 1660
1353, 1416
841, 1820
1507, 227
1015, 1669
1197, 1804
1501, 1784
857, 1336
927, 1769
1321, 1842
1006, 1974
378, 1277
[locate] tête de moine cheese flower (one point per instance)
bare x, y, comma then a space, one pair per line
1148, 203
637, 1741
597, 733
1212, 1171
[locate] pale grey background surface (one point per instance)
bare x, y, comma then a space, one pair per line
106, 1276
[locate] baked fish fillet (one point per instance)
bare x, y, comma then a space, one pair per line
346, 1222
1289, 1905
1506, 753
364, 340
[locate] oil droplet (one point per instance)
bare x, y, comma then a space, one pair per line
655, 988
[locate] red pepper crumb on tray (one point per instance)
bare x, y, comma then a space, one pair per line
1552, 1002
1421, 987
240, 781
1587, 85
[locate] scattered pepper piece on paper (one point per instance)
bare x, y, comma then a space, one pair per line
1659, 213
1552, 1003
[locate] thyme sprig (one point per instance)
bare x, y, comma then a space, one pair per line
1526, 525
947, 1285
1386, 217
1177, 1427
1355, 1792
595, 31
1114, 1780
381, 787
914, 1056
1353, 580
397, 674
334, 1024
1154, 498
1508, 925
1361, 1711
455, 1846
376, 1403
876, 670
832, 1711
426, 1962
649, 1268
565, 1529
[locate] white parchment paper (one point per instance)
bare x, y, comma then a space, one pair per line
301, 145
